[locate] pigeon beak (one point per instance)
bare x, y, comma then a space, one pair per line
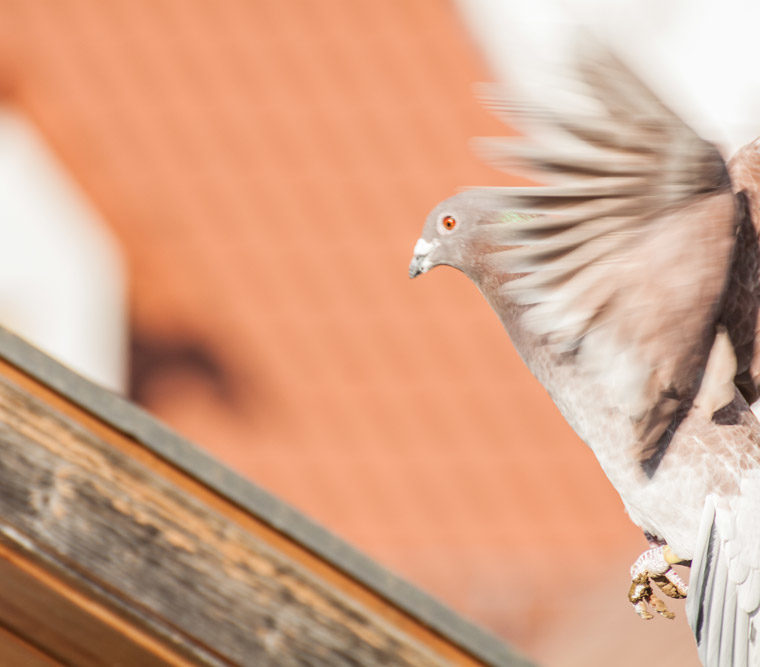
421, 261
415, 268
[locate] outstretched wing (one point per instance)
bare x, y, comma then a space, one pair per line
626, 261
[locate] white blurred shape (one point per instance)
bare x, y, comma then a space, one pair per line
62, 284
702, 57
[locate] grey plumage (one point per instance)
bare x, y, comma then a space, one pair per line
629, 286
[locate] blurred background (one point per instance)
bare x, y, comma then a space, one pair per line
211, 207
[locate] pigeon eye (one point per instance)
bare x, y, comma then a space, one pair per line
449, 222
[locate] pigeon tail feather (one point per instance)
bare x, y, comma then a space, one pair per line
726, 630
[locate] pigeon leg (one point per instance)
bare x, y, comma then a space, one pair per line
655, 565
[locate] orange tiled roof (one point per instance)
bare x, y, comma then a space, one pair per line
267, 167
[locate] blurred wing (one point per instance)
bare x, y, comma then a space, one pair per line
740, 312
625, 265
724, 589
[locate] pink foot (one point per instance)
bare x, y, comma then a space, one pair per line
655, 565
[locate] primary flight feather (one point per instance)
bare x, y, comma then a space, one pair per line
629, 285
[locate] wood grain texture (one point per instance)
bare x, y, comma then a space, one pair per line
156, 570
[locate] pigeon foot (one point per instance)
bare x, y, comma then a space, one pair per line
655, 565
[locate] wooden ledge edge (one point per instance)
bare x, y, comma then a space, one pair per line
29, 367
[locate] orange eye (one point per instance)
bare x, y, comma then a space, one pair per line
449, 222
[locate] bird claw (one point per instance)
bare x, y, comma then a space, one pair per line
655, 565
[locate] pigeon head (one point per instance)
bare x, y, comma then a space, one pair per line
455, 231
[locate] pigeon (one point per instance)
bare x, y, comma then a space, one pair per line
627, 279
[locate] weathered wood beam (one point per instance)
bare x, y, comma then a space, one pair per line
120, 541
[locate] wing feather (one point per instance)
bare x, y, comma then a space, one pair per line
742, 310
627, 261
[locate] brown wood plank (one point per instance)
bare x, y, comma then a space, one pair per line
173, 560
15, 652
66, 624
